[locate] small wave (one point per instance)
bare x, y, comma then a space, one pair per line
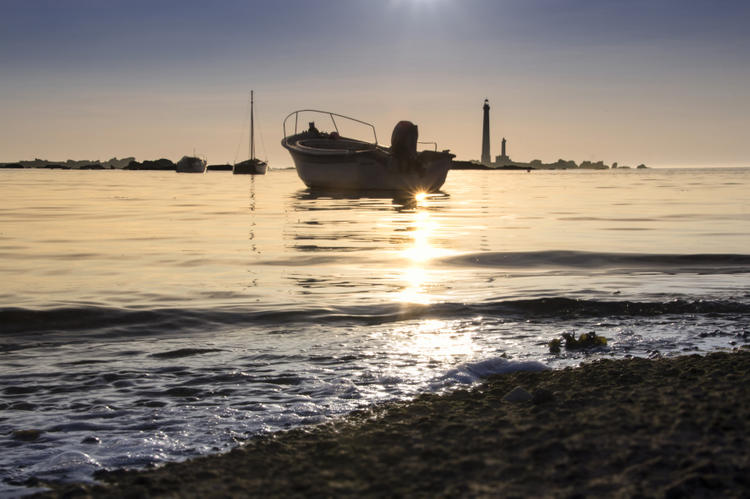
75, 318
63, 324
474, 371
184, 352
567, 307
703, 263
70, 465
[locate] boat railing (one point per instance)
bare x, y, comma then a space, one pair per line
333, 117
434, 144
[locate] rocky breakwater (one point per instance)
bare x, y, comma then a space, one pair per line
159, 164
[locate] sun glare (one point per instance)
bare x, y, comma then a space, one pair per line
415, 3
420, 281
422, 249
435, 340
414, 279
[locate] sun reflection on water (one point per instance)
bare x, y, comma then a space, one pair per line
414, 292
436, 340
418, 279
422, 249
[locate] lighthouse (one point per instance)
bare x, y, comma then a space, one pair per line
486, 134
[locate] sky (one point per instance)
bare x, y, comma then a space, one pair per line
660, 82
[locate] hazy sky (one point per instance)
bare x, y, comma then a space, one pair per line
656, 81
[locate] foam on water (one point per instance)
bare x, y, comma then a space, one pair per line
474, 371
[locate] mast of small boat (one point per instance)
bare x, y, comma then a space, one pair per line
252, 128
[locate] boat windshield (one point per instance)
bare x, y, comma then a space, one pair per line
328, 122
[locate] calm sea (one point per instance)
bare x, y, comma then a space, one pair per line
155, 316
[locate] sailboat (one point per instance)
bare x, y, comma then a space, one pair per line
252, 166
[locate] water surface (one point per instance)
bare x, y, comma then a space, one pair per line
153, 316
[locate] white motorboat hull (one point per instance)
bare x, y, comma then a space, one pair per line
363, 172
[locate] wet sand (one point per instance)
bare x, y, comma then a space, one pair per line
675, 427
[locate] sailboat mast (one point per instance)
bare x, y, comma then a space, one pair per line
252, 128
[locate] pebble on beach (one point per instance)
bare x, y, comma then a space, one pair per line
518, 394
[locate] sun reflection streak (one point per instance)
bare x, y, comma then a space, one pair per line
418, 278
414, 292
422, 250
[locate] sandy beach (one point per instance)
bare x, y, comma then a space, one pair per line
674, 427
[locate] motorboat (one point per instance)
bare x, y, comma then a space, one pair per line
332, 161
252, 166
191, 164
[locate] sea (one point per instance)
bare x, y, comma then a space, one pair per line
148, 317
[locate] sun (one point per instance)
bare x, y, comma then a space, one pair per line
398, 3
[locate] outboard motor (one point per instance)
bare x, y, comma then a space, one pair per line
404, 144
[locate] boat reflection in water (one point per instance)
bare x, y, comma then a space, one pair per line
330, 160
400, 201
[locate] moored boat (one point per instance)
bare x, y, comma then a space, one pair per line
328, 160
252, 166
191, 164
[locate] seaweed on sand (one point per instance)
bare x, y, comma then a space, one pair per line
583, 342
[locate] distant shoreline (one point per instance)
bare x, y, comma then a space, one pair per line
538, 165
167, 165
113, 164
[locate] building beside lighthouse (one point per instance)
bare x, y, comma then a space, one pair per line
503, 159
